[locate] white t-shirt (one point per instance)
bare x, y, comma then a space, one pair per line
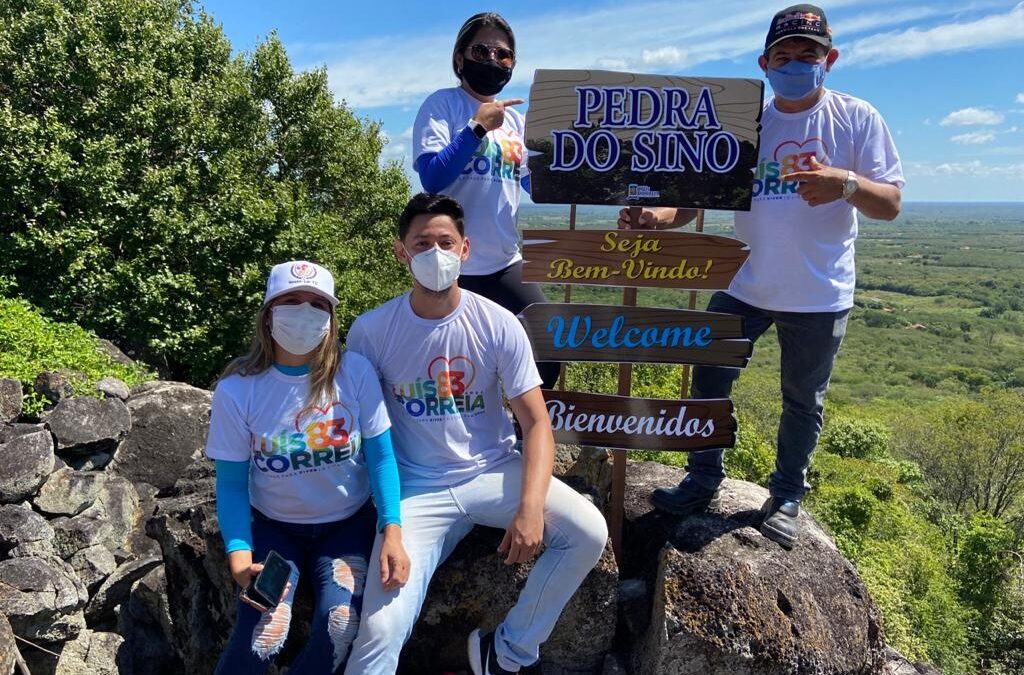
441, 380
305, 463
488, 187
801, 257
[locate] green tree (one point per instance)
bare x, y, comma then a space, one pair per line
149, 178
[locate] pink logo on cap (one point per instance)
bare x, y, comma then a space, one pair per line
303, 271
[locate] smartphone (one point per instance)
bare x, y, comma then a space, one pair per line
267, 589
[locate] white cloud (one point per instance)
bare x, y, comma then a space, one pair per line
398, 147
971, 116
1020, 97
663, 56
974, 138
995, 30
975, 168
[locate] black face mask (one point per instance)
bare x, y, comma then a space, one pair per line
486, 79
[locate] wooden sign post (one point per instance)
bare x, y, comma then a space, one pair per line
598, 137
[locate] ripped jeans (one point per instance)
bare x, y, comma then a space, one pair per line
333, 555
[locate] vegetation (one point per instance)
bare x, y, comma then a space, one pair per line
149, 178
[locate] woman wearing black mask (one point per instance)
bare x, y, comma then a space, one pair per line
470, 146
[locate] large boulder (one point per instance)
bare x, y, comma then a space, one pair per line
116, 589
56, 386
144, 621
11, 400
474, 588
86, 425
23, 532
728, 600
93, 565
113, 518
111, 387
42, 598
169, 423
92, 653
67, 492
25, 462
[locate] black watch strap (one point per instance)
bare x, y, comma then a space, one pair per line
478, 129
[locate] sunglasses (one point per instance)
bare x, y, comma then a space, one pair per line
481, 52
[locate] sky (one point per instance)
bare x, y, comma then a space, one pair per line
947, 76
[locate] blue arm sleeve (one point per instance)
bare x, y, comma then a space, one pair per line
233, 510
387, 493
438, 170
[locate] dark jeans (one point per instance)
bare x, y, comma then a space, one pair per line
335, 557
809, 342
506, 287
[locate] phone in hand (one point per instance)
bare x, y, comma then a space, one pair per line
267, 589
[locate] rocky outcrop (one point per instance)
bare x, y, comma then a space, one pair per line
86, 425
25, 462
92, 653
42, 598
23, 532
728, 600
169, 422
11, 400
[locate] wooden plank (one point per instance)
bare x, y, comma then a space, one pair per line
602, 137
640, 423
619, 334
632, 258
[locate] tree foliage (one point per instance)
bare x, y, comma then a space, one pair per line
149, 177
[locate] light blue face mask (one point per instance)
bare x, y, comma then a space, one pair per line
796, 80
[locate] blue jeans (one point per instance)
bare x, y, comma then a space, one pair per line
809, 342
334, 555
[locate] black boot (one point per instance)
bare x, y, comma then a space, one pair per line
780, 521
686, 498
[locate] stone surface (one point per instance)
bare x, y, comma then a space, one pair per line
93, 565
111, 350
144, 621
23, 532
112, 387
92, 653
9, 431
728, 600
8, 647
115, 590
67, 492
42, 598
86, 425
113, 519
55, 386
11, 400
169, 422
25, 462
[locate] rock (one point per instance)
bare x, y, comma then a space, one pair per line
23, 532
115, 590
9, 431
144, 621
113, 519
93, 565
11, 400
86, 425
115, 354
92, 653
111, 387
169, 422
25, 462
67, 492
475, 588
42, 598
8, 647
54, 386
728, 600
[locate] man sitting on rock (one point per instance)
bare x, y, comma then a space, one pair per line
440, 352
824, 157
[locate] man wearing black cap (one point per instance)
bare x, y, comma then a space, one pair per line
824, 156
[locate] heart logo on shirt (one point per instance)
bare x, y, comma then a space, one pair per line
811, 147
336, 413
457, 364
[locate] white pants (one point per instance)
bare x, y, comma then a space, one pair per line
435, 519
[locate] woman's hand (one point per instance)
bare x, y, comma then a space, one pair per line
242, 567
394, 561
491, 115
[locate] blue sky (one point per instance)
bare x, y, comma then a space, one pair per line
947, 76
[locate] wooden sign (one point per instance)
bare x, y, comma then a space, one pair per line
632, 258
640, 423
601, 137
607, 333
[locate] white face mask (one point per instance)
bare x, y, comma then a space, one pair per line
434, 268
299, 329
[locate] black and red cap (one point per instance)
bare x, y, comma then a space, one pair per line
806, 21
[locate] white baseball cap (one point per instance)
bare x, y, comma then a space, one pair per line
300, 275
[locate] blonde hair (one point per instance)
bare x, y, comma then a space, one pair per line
260, 357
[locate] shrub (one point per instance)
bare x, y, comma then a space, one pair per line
861, 438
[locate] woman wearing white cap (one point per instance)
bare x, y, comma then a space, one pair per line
301, 438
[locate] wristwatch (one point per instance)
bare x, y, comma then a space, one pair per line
478, 129
850, 185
